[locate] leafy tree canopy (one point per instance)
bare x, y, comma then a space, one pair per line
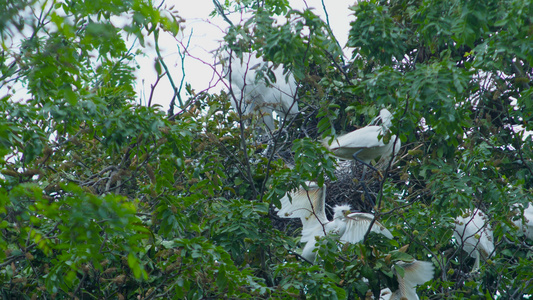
103, 198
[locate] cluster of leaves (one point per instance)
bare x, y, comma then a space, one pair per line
104, 198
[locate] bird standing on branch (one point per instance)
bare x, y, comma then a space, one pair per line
366, 144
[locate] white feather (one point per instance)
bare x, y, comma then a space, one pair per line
250, 92
385, 294
524, 221
415, 273
309, 206
357, 225
475, 236
368, 140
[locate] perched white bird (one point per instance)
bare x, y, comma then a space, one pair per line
309, 206
366, 143
251, 92
525, 224
415, 273
475, 235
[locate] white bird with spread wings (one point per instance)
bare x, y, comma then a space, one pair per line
414, 273
309, 205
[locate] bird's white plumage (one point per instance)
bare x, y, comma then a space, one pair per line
475, 235
415, 273
252, 92
524, 221
385, 116
368, 140
309, 206
385, 294
357, 225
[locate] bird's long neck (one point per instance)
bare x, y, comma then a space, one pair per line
337, 226
338, 216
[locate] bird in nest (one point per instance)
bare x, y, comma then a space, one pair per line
367, 143
308, 204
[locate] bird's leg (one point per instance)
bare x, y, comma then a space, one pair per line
362, 182
367, 194
477, 261
366, 164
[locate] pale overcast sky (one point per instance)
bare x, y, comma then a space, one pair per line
206, 35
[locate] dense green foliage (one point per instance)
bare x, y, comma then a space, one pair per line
103, 198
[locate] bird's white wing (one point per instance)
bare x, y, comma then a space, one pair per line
357, 225
304, 203
366, 137
416, 272
301, 203
308, 205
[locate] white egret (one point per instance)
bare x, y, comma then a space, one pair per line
252, 92
525, 222
365, 144
415, 273
309, 206
475, 235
